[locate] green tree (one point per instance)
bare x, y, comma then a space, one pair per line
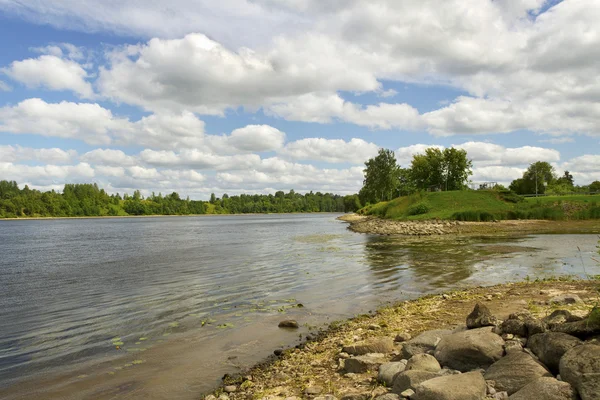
594, 187
381, 178
448, 169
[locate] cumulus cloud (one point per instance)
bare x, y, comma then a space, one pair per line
4, 87
108, 157
47, 174
46, 156
355, 151
51, 72
251, 139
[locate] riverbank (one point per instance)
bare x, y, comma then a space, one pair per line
314, 368
154, 216
379, 226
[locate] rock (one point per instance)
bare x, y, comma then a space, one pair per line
581, 329
402, 337
230, 389
223, 396
388, 396
513, 327
550, 347
465, 351
560, 317
374, 327
343, 355
448, 371
480, 316
580, 366
210, 397
534, 326
566, 299
424, 343
408, 379
512, 346
501, 396
407, 393
423, 362
546, 388
469, 386
490, 387
289, 323
326, 397
514, 371
389, 370
313, 390
278, 352
364, 363
356, 396
379, 345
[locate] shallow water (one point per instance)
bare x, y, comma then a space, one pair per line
162, 307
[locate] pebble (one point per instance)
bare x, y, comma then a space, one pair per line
407, 393
289, 323
230, 389
374, 327
403, 337
313, 390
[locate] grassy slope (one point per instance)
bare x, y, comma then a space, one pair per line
445, 205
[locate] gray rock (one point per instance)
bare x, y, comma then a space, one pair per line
402, 337
560, 317
326, 397
465, 351
469, 386
580, 366
223, 396
356, 396
480, 316
230, 389
501, 396
534, 326
566, 299
289, 323
382, 345
514, 327
581, 329
512, 346
388, 371
210, 397
514, 371
550, 347
423, 362
313, 390
424, 343
388, 396
546, 388
407, 393
364, 363
408, 379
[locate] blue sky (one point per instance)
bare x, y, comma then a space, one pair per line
246, 96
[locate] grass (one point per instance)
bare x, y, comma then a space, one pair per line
469, 205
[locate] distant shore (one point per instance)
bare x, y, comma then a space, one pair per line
373, 225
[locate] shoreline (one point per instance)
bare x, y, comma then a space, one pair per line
313, 368
377, 226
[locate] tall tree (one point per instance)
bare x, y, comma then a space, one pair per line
448, 169
381, 178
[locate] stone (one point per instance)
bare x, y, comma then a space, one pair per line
388, 396
326, 397
546, 388
402, 337
472, 349
448, 371
289, 323
374, 327
513, 327
364, 363
278, 352
550, 347
424, 343
580, 366
534, 326
230, 389
210, 397
480, 316
501, 396
566, 299
512, 346
560, 317
408, 379
469, 386
356, 396
313, 390
423, 362
223, 396
389, 370
407, 393
582, 329
379, 345
514, 371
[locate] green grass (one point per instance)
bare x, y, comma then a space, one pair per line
469, 205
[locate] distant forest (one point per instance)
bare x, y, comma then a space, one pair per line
87, 200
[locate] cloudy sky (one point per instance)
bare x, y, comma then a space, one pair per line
246, 96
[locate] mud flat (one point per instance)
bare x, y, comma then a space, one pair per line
360, 359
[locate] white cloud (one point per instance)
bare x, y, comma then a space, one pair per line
47, 156
51, 72
488, 153
404, 155
355, 151
251, 138
4, 87
198, 159
47, 174
108, 157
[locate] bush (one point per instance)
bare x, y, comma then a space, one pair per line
510, 196
418, 209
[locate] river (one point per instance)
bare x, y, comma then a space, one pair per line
161, 308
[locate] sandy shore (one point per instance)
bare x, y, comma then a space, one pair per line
373, 225
315, 364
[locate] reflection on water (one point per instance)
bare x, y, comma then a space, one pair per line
170, 304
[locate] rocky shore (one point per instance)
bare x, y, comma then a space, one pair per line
518, 341
373, 225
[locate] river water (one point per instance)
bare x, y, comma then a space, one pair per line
160, 308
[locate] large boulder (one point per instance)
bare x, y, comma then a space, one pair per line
566, 299
379, 345
546, 388
582, 329
468, 350
389, 370
560, 317
423, 362
469, 386
514, 371
364, 363
409, 379
550, 347
426, 342
480, 316
580, 366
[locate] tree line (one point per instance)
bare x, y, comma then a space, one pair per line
434, 169
86, 200
541, 178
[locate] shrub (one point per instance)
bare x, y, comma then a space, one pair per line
418, 209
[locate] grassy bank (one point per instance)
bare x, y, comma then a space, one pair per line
486, 205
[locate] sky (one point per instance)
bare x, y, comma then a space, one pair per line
255, 96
